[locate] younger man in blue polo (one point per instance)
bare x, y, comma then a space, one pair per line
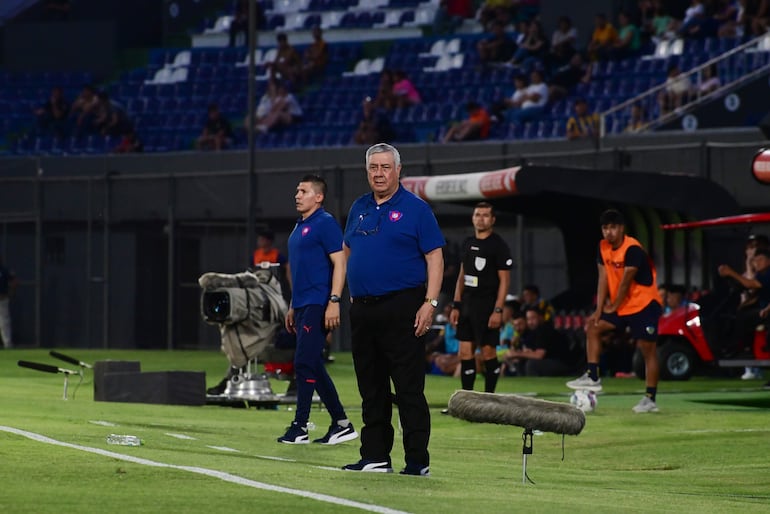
317, 265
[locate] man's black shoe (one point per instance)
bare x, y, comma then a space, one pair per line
218, 389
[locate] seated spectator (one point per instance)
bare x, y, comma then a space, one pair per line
677, 91
373, 125
563, 42
694, 17
240, 21
637, 121
474, 128
385, 98
441, 351
546, 354
287, 64
284, 111
110, 119
450, 15
52, 115
629, 42
566, 78
757, 17
404, 92
82, 110
129, 143
675, 298
645, 12
507, 330
496, 11
498, 48
734, 25
726, 14
760, 263
709, 81
534, 46
533, 102
582, 125
217, 134
519, 334
530, 297
662, 26
603, 38
517, 98
264, 106
315, 57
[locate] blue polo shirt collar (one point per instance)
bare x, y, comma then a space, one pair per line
317, 213
393, 200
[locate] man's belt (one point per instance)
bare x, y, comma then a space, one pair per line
379, 298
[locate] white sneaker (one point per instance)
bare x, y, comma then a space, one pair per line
585, 383
751, 374
645, 405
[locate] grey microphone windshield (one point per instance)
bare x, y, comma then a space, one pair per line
522, 411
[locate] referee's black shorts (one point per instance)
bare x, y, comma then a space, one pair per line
474, 320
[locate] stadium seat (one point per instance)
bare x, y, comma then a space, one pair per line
363, 20
222, 24
276, 21
406, 18
295, 21
544, 129
529, 131
182, 59
330, 19
312, 20
348, 21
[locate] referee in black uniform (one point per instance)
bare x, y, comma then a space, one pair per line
477, 310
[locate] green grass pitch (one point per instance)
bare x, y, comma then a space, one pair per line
708, 450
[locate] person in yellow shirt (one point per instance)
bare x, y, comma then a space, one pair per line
603, 38
582, 125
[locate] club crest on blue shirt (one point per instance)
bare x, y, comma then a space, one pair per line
395, 215
305, 231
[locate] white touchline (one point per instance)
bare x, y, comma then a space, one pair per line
223, 448
103, 423
181, 436
227, 477
268, 457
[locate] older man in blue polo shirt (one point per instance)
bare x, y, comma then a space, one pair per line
317, 265
395, 266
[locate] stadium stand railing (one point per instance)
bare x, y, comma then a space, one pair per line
736, 64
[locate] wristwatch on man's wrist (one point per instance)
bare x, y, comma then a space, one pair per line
432, 301
334, 299
498, 310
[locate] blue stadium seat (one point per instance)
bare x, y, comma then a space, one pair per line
363, 20
406, 17
529, 131
378, 18
317, 138
560, 127
312, 21
511, 131
348, 20
275, 21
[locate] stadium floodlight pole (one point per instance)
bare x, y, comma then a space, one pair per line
252, 176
